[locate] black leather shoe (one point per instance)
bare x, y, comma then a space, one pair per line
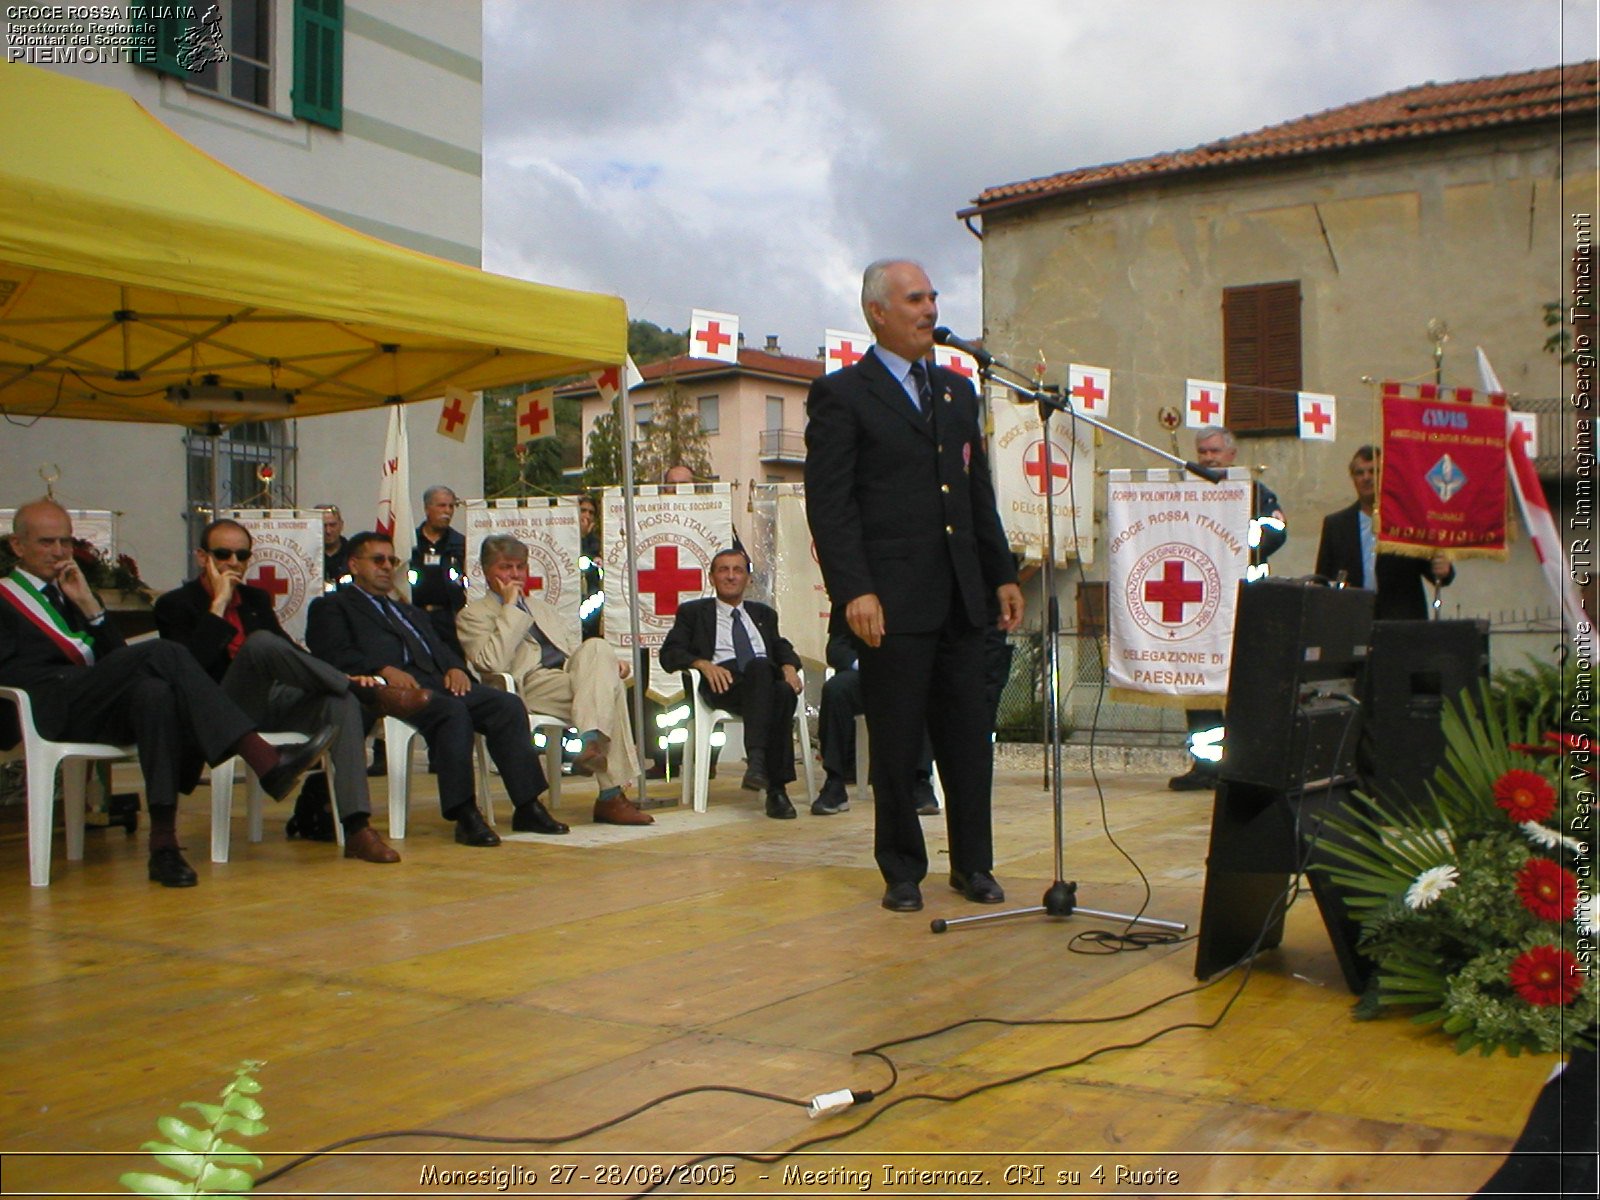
755, 780
473, 830
979, 887
779, 807
832, 799
294, 761
168, 868
927, 802
534, 817
1195, 779
903, 897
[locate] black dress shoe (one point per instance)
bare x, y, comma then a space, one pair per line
903, 897
979, 887
1195, 779
168, 868
534, 817
755, 779
927, 802
473, 830
779, 807
293, 762
831, 800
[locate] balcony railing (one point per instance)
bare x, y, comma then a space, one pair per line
783, 445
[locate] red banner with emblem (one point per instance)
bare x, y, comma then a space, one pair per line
1442, 477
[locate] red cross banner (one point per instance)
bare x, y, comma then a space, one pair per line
841, 349
1023, 480
677, 528
958, 361
456, 414
714, 335
285, 560
1204, 401
1442, 481
536, 415
548, 527
1316, 416
1178, 550
608, 381
1089, 389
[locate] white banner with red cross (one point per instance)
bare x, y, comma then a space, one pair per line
285, 560
798, 592
455, 414
1023, 478
1178, 550
841, 348
958, 361
1204, 403
536, 415
548, 527
714, 335
677, 530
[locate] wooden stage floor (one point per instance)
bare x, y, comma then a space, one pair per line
549, 985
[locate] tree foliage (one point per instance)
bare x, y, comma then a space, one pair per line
536, 469
648, 342
674, 436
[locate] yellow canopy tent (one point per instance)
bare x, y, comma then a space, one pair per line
130, 261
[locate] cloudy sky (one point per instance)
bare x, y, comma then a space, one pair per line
751, 157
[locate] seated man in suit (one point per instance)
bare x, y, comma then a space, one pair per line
362, 630
522, 635
836, 735
746, 667
86, 685
230, 628
1349, 547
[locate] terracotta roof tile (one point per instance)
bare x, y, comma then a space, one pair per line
1427, 110
685, 367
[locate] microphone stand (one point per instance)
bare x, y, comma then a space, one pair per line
1061, 897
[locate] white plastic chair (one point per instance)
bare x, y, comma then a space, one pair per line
553, 727
697, 750
864, 766
398, 737
42, 758
222, 777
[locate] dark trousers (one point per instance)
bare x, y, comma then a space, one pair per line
282, 687
447, 725
933, 682
762, 696
155, 695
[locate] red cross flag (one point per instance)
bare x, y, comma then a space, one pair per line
287, 560
1204, 400
1316, 416
841, 349
958, 361
1089, 388
714, 335
1023, 481
536, 415
456, 413
606, 382
676, 538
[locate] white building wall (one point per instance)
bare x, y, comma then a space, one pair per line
407, 168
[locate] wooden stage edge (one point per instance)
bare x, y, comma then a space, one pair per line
541, 988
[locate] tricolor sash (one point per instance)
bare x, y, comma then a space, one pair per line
30, 602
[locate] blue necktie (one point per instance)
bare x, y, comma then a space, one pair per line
743, 649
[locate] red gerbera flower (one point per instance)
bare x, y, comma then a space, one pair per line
1546, 975
1547, 890
1525, 796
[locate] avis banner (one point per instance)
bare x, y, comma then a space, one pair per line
1178, 551
548, 527
1025, 482
285, 561
1442, 482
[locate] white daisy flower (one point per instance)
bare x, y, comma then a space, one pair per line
1430, 885
1548, 839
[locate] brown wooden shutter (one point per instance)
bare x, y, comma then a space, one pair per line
1261, 356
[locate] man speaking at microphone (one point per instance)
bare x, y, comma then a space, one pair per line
903, 514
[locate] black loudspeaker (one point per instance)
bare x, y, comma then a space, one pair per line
1289, 638
1414, 670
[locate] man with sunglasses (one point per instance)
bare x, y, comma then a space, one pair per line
362, 629
231, 629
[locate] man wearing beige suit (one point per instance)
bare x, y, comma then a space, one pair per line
522, 635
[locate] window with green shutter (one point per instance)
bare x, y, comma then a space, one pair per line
319, 62
1261, 357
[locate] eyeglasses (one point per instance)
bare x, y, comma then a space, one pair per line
230, 555
382, 560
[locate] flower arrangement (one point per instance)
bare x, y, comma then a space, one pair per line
1477, 903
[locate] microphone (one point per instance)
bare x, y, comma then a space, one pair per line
944, 337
